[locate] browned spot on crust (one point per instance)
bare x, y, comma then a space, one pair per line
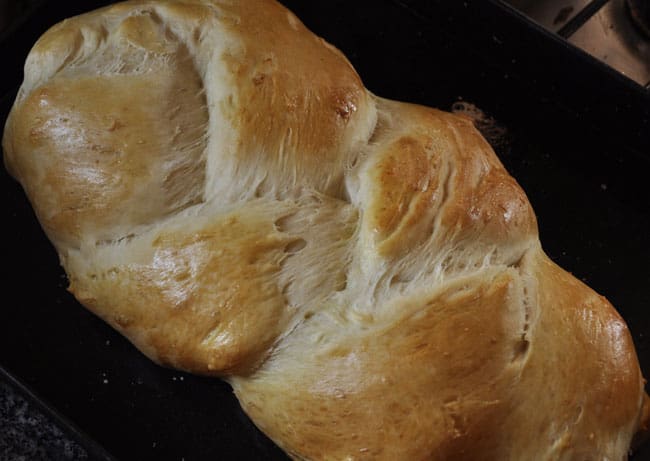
297, 99
407, 179
484, 201
443, 172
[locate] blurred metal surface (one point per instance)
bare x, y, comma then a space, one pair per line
605, 29
611, 36
552, 14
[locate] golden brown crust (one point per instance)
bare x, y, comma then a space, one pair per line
440, 172
408, 187
451, 378
206, 299
104, 142
403, 390
295, 96
223, 190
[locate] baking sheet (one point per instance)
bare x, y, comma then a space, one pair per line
583, 172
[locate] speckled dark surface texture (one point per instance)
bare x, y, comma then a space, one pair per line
26, 434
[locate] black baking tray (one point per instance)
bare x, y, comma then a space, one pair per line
574, 134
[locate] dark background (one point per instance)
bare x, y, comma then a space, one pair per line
576, 138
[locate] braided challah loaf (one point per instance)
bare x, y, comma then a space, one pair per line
223, 190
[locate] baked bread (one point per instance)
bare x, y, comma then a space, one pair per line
223, 190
